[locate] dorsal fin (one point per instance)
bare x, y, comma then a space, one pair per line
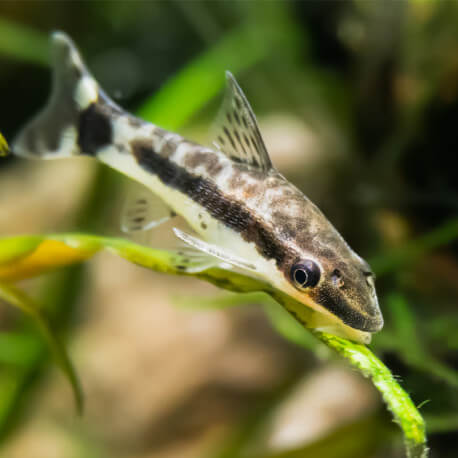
236, 132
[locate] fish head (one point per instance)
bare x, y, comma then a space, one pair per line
342, 287
324, 273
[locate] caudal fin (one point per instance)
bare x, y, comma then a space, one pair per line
77, 118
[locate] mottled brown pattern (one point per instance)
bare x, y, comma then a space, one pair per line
209, 160
236, 181
168, 147
234, 214
256, 202
252, 190
291, 229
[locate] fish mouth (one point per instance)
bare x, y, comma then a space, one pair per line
366, 317
368, 324
357, 319
369, 319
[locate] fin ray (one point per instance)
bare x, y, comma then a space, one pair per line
193, 261
213, 250
236, 130
143, 210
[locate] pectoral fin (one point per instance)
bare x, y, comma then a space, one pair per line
143, 210
193, 260
213, 251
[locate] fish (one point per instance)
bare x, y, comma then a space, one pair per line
242, 213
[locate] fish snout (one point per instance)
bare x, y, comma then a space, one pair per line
371, 318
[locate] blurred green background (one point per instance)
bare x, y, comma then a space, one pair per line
358, 104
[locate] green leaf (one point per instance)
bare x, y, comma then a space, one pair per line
17, 298
414, 249
17, 247
283, 322
28, 256
203, 78
410, 347
359, 356
21, 42
17, 348
398, 401
443, 423
289, 327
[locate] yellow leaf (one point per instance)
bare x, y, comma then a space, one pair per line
49, 255
15, 248
4, 148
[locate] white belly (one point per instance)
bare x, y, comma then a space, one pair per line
209, 229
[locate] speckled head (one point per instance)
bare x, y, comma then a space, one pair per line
321, 270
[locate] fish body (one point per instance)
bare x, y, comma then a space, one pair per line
241, 210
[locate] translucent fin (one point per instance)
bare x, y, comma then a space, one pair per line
212, 250
143, 210
193, 260
236, 132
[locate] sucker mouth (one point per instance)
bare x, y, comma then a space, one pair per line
362, 322
373, 325
367, 319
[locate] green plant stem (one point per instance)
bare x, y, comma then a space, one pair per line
398, 401
359, 356
18, 299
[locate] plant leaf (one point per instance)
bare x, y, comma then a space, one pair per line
21, 42
12, 249
189, 90
4, 148
412, 250
17, 298
28, 256
398, 401
409, 345
63, 249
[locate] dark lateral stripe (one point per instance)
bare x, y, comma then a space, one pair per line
231, 213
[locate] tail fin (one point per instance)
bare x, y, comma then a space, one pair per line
77, 118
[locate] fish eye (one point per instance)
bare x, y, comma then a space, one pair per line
305, 274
